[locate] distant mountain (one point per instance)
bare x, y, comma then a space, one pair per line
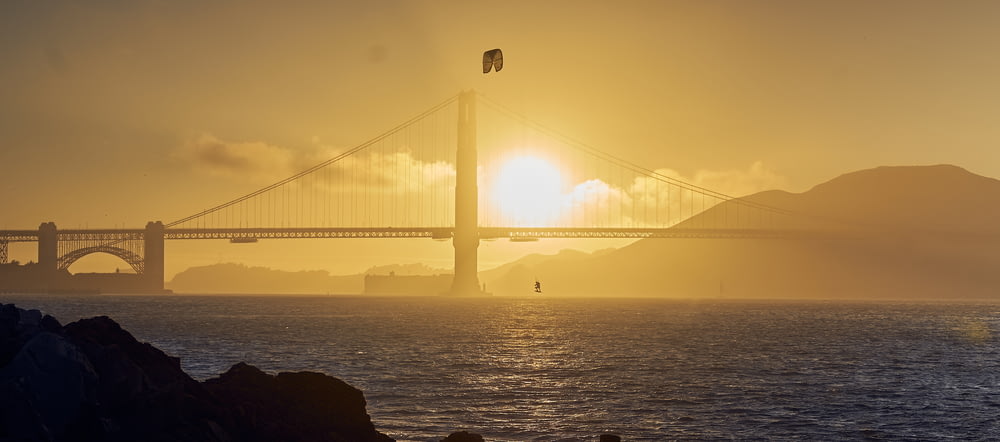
406, 270
238, 278
929, 232
940, 198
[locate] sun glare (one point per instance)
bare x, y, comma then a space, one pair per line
528, 191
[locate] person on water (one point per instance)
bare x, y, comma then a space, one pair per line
538, 287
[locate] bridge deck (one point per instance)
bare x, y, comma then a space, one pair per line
514, 233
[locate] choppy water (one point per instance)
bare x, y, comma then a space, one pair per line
568, 369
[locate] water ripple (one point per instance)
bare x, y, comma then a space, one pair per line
570, 369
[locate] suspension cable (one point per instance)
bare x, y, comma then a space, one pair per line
319, 166
624, 163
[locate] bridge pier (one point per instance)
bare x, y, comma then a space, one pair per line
466, 239
152, 267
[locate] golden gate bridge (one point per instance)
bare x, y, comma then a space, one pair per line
467, 169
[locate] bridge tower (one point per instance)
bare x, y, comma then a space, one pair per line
466, 239
48, 248
152, 267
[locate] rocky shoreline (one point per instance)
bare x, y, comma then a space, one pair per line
91, 380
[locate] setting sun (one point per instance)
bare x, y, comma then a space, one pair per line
528, 191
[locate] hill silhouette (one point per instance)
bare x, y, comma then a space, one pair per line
928, 232
945, 199
239, 278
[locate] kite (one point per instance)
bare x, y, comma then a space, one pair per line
492, 58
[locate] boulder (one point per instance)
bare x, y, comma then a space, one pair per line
143, 394
54, 377
10, 316
92, 380
463, 436
19, 420
303, 406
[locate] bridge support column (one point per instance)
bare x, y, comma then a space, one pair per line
48, 249
152, 267
466, 239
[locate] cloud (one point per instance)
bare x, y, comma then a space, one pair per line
646, 201
254, 161
400, 171
384, 184
733, 182
597, 203
379, 169
670, 204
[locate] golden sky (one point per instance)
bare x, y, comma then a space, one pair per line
100, 100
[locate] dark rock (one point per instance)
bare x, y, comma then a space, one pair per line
105, 341
303, 406
463, 436
30, 318
143, 394
29, 325
93, 381
50, 324
10, 316
610, 438
55, 377
19, 421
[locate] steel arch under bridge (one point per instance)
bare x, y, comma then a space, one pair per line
133, 259
129, 245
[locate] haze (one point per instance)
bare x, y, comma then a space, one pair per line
109, 107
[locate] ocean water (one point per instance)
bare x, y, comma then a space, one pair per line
572, 369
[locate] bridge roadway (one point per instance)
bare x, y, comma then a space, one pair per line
143, 249
485, 233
